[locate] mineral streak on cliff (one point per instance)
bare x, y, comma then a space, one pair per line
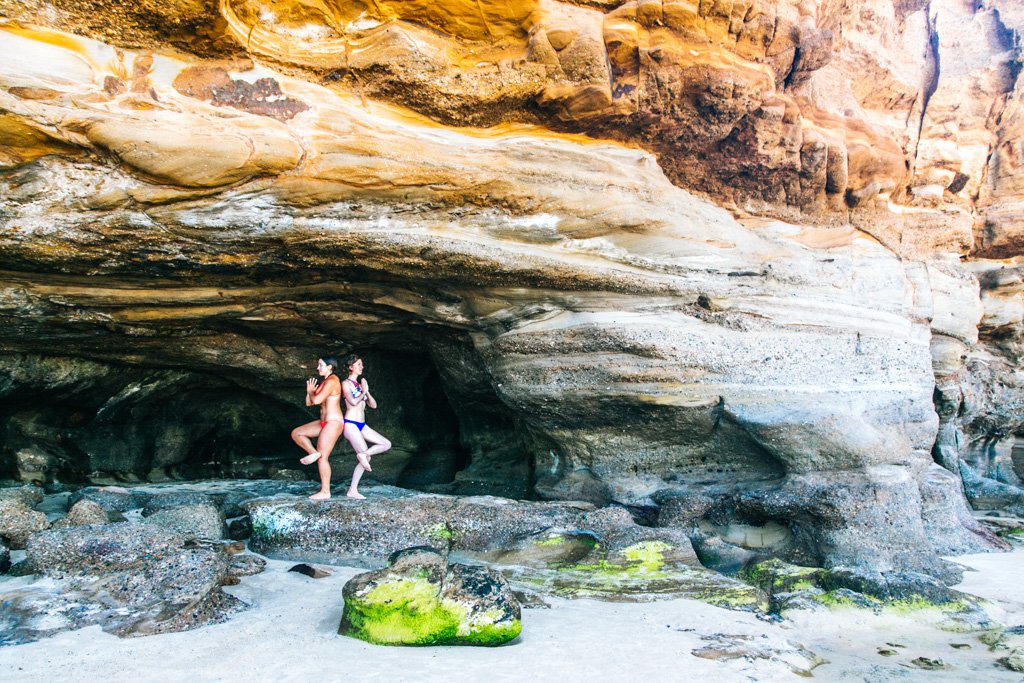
200, 198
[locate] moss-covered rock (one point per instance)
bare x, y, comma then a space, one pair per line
640, 571
419, 599
776, 576
550, 547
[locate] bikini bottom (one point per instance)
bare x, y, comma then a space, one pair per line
323, 423
359, 425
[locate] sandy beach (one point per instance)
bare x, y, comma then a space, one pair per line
289, 633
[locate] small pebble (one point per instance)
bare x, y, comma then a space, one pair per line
311, 570
960, 646
928, 663
886, 652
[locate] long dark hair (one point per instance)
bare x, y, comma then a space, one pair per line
349, 361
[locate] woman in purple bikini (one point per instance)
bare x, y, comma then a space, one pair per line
357, 396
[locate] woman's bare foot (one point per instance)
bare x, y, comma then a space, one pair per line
310, 459
320, 495
364, 460
356, 495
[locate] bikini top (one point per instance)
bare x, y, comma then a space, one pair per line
357, 390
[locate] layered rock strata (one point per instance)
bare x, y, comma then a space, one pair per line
827, 108
182, 237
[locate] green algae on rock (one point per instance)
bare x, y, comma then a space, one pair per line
640, 571
419, 599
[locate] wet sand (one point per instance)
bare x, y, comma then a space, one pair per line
290, 634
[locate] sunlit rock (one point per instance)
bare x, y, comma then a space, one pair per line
547, 314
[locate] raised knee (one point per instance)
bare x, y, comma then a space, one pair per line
387, 445
295, 434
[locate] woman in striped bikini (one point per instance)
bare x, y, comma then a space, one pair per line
356, 393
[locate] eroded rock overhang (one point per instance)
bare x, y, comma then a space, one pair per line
624, 340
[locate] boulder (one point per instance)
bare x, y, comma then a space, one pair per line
82, 513
111, 498
130, 579
203, 520
30, 496
18, 522
420, 599
367, 531
175, 499
99, 550
553, 546
832, 527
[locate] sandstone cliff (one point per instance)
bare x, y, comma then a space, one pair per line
762, 254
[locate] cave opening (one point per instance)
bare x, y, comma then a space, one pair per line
130, 423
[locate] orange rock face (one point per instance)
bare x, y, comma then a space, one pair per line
509, 188
814, 111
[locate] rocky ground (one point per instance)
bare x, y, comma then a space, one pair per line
177, 575
736, 287
290, 628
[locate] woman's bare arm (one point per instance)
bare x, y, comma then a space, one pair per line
321, 394
350, 400
370, 400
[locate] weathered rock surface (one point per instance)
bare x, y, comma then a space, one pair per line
246, 565
82, 513
111, 498
543, 313
26, 495
131, 579
568, 549
18, 522
347, 531
164, 501
421, 599
344, 530
792, 107
204, 520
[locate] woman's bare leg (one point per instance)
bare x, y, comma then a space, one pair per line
325, 444
353, 488
302, 435
380, 443
354, 437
